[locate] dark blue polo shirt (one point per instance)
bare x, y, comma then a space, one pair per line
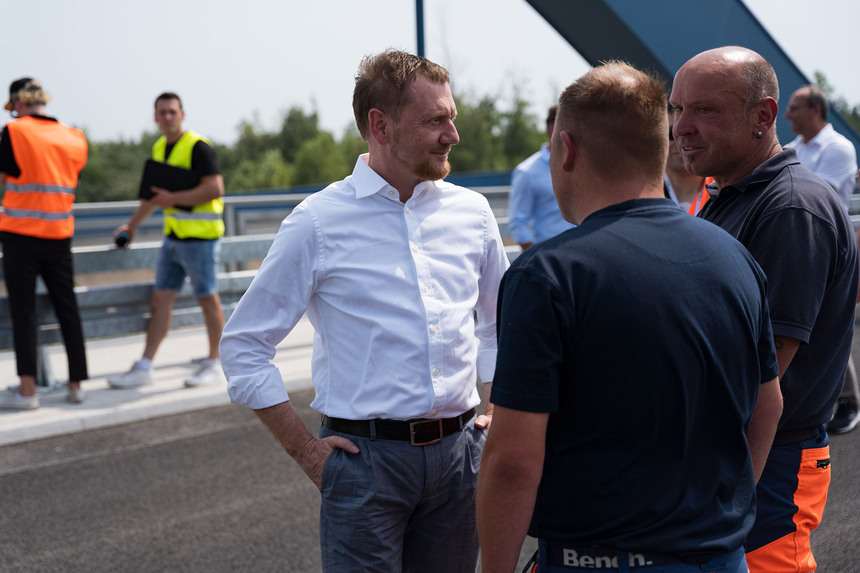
797, 229
644, 332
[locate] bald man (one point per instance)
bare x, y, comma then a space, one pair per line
725, 106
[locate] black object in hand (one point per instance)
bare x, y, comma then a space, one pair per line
121, 239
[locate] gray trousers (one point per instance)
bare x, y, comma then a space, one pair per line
399, 508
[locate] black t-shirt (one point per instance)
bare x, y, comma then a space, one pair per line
798, 231
203, 160
644, 333
8, 165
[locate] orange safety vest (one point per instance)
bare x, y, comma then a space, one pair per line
38, 203
702, 198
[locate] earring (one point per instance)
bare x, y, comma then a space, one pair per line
759, 135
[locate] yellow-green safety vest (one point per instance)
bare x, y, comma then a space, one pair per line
202, 221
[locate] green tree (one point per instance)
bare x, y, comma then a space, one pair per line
297, 128
351, 146
320, 160
267, 171
114, 169
479, 126
522, 133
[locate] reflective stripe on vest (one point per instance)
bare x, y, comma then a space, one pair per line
40, 188
38, 202
203, 221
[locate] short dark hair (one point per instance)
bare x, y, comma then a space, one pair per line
550, 115
168, 96
382, 81
816, 96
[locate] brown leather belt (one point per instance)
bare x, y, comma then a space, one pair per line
421, 432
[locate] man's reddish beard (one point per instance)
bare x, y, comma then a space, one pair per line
430, 171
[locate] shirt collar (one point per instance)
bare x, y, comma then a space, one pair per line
368, 182
821, 135
767, 170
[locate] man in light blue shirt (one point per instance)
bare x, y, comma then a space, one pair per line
398, 271
533, 214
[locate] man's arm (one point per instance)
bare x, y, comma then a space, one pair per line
144, 209
786, 348
484, 420
210, 187
521, 210
762, 428
511, 469
837, 165
307, 450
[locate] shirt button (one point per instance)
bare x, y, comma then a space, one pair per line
435, 372
433, 328
415, 248
391, 192
408, 210
424, 288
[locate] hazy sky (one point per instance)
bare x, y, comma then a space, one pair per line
104, 61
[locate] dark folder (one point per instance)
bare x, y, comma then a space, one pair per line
165, 176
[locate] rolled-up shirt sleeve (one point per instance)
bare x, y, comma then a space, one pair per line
268, 311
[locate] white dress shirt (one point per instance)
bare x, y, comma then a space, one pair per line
831, 156
390, 289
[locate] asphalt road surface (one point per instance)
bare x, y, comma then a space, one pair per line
212, 491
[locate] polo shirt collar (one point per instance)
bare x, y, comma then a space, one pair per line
767, 171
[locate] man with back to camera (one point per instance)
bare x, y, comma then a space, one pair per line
40, 162
398, 272
193, 227
628, 429
725, 103
831, 156
533, 214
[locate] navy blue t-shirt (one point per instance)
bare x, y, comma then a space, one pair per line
797, 229
645, 334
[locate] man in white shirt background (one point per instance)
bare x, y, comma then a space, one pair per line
398, 272
832, 157
533, 214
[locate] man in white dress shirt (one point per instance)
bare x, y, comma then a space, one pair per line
831, 156
398, 272
822, 150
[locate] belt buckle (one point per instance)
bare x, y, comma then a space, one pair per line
413, 425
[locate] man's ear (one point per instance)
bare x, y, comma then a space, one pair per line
569, 149
765, 114
377, 121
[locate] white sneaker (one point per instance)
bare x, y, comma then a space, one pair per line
132, 379
75, 396
209, 372
17, 402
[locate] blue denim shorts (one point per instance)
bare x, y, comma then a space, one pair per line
196, 259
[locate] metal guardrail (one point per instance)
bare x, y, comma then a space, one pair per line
243, 215
123, 308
